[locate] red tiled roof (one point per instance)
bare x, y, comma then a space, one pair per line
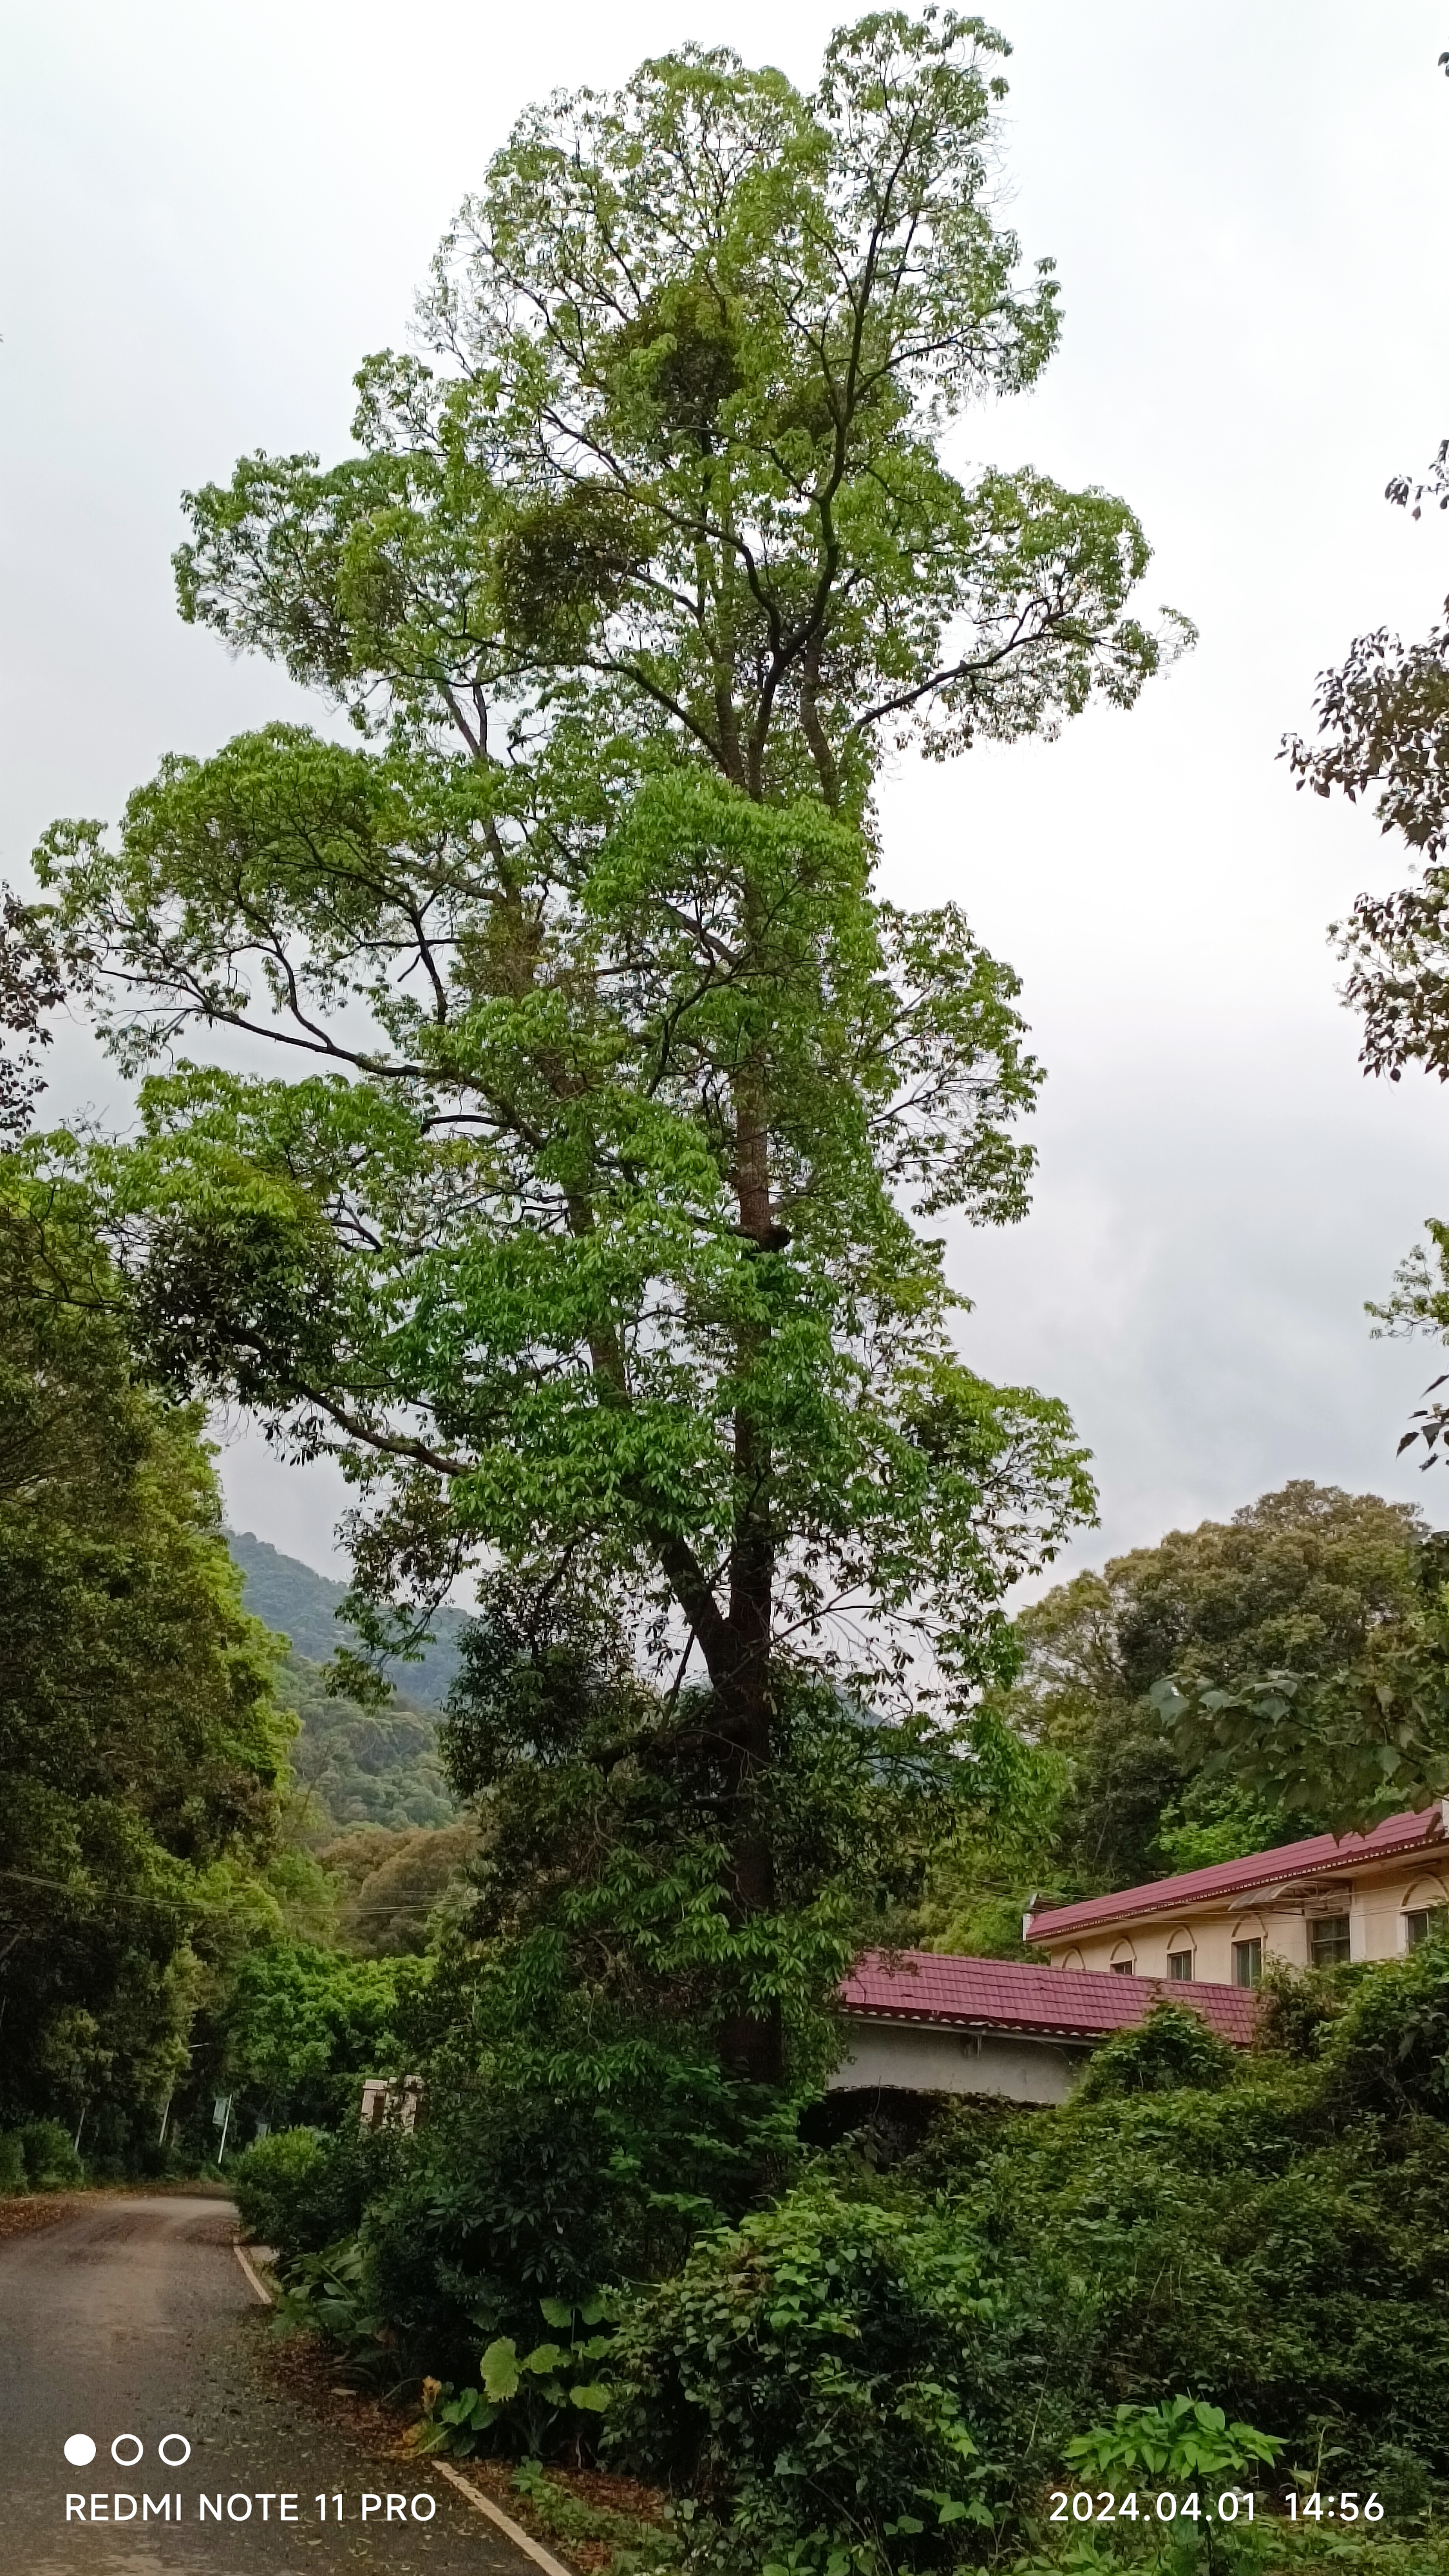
1312, 1859
1008, 1994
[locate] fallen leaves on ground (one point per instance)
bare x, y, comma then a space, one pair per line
35, 2209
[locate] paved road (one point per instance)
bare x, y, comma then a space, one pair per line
132, 2317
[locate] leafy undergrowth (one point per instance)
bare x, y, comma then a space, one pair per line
306, 2365
1272, 2550
598, 2522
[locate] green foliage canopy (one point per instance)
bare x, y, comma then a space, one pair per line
303, 2026
360, 1766
676, 461
141, 1743
1149, 1739
1309, 1580
390, 1881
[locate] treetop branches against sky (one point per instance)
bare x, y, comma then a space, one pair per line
594, 1239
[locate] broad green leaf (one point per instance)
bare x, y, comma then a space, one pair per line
500, 2370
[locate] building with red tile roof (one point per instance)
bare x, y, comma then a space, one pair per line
923, 2022
1359, 1896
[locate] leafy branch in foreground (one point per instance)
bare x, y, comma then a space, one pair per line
1383, 724
30, 985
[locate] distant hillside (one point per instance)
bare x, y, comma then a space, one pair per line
358, 1766
302, 1605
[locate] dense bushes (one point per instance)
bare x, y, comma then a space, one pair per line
875, 2355
39, 2157
301, 2190
1173, 2047
1387, 2049
51, 2161
814, 2375
1270, 2239
528, 2189
1235, 2246
891, 2360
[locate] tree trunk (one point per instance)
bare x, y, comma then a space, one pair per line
752, 2044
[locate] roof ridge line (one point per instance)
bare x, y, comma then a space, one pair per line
1162, 1895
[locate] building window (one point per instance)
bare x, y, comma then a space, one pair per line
1247, 1963
1179, 1967
1128, 1967
1417, 1923
1328, 1941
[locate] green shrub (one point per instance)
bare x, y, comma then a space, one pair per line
51, 2161
1297, 2006
326, 2294
813, 2376
1172, 2049
1389, 2048
12, 2163
302, 2190
543, 2400
519, 2195
279, 2183
1247, 2248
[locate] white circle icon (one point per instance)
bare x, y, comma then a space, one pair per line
174, 2459
127, 2459
80, 2450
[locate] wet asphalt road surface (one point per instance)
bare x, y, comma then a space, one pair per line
132, 2316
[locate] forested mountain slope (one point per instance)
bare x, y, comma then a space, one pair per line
354, 1766
358, 1766
299, 1604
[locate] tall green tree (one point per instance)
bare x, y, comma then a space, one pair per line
1138, 1780
1304, 1580
140, 1744
595, 1238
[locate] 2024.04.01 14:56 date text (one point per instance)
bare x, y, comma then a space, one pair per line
1082, 2505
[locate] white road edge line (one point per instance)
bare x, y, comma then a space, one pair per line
253, 2275
481, 2503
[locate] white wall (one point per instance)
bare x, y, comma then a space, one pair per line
905, 2057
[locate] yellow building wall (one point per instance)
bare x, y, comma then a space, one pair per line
1376, 1904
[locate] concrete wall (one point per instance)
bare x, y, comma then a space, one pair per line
905, 2057
1375, 1901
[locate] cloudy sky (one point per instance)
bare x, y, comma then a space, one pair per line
210, 214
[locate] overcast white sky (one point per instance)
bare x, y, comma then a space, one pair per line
211, 211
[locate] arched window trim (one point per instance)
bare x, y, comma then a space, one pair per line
1426, 1896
